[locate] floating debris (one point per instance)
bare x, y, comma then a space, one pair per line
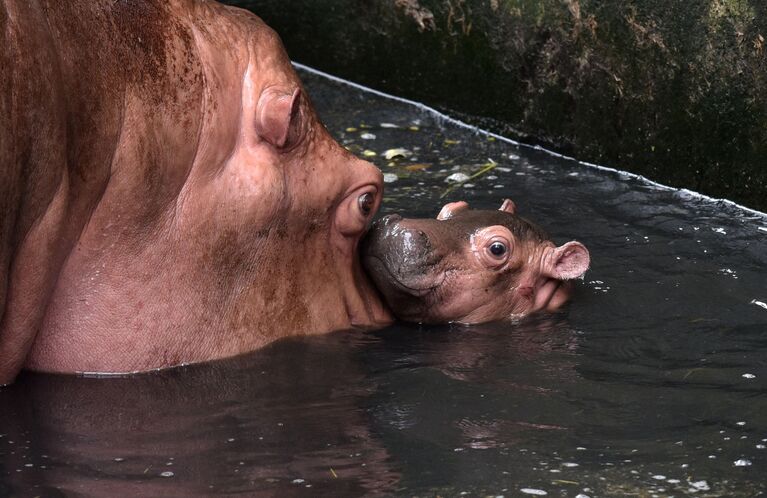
417, 166
759, 303
298, 481
700, 485
742, 463
390, 177
413, 128
719, 230
748, 376
369, 153
489, 166
533, 491
167, 473
457, 178
400, 152
388, 125
451, 142
367, 136
351, 129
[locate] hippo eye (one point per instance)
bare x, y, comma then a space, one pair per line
366, 202
498, 249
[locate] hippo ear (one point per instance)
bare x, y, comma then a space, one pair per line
569, 261
451, 209
508, 206
277, 115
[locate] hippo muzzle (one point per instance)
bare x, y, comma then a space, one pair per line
398, 258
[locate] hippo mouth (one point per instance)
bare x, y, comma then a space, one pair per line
551, 295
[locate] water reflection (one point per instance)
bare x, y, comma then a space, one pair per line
282, 419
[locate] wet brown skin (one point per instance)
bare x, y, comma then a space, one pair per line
168, 193
469, 266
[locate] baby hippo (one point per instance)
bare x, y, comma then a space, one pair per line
469, 266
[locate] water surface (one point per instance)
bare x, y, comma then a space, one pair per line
652, 382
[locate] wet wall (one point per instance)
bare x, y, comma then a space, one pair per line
675, 90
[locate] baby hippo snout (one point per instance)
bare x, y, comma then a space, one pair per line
397, 257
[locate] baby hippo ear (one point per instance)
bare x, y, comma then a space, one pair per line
508, 206
451, 209
568, 261
277, 116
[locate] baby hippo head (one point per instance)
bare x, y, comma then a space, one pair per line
469, 266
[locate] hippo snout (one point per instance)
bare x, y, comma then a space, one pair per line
396, 256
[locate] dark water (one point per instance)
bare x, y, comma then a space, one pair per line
652, 383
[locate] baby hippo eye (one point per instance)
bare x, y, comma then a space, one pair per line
498, 249
365, 203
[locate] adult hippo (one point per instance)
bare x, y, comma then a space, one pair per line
168, 194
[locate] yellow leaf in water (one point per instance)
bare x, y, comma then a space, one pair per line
451, 142
417, 166
392, 153
413, 128
351, 129
369, 153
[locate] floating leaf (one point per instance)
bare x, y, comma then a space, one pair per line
451, 142
392, 153
417, 166
413, 128
351, 129
457, 178
369, 153
489, 166
367, 136
388, 125
390, 177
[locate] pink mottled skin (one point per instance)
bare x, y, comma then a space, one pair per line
470, 266
169, 195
